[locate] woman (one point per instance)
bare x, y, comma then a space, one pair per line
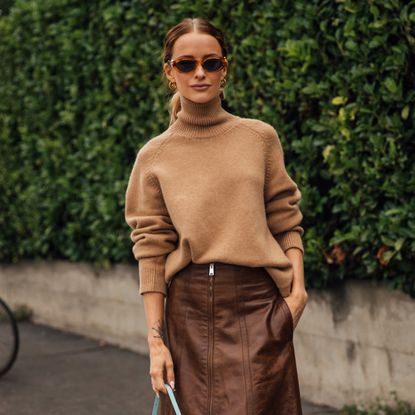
216, 232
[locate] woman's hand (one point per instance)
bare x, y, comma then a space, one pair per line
160, 358
296, 303
298, 298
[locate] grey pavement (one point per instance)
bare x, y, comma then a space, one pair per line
61, 373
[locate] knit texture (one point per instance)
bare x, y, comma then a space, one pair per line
213, 187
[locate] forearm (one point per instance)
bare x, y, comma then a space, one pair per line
298, 286
154, 311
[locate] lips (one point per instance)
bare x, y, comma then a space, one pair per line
203, 87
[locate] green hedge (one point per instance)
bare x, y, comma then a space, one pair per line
81, 91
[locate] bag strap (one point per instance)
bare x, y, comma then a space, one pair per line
172, 398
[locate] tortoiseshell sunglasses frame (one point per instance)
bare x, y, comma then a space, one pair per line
174, 62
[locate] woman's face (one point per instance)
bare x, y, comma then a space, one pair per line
197, 45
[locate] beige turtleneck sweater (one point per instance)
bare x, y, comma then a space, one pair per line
212, 187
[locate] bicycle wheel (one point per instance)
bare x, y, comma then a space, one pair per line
9, 338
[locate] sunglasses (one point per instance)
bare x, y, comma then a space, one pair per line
189, 65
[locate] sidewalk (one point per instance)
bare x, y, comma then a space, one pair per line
60, 373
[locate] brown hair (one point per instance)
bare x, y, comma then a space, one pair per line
188, 25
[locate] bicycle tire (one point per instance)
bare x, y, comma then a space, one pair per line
9, 317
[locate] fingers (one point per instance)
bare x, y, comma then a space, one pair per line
157, 381
170, 372
157, 378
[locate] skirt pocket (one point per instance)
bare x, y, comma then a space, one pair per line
288, 314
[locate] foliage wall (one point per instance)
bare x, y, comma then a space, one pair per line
81, 90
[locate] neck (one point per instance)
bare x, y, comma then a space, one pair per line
202, 119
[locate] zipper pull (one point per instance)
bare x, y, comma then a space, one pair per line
212, 268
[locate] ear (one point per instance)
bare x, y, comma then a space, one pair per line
168, 72
225, 71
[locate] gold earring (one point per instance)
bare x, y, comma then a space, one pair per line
223, 82
172, 85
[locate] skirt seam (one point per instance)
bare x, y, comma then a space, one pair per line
245, 347
249, 368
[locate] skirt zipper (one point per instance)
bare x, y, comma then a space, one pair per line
210, 342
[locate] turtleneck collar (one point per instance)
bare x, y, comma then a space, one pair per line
205, 119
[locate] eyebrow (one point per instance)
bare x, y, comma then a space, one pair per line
191, 56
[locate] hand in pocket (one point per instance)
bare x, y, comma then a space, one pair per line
296, 306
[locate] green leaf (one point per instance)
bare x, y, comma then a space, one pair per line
405, 112
339, 100
391, 85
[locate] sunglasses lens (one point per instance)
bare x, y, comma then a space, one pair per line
186, 65
213, 64
210, 65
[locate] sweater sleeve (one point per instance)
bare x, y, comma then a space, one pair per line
282, 197
153, 234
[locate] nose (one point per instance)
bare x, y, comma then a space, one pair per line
199, 71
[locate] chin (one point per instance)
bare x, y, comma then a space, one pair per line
201, 97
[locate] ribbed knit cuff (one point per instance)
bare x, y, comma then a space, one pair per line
290, 239
151, 275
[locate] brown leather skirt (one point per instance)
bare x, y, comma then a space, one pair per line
230, 334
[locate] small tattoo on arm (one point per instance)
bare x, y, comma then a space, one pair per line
158, 330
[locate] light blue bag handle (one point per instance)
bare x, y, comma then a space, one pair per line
172, 398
